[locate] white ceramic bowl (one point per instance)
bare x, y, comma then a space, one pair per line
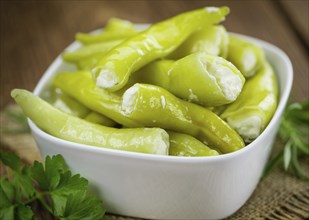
167, 187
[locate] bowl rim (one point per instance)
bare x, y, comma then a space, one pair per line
282, 100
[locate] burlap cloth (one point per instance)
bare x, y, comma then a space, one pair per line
278, 196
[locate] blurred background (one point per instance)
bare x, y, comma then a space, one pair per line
34, 33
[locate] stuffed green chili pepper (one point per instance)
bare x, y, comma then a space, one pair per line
71, 128
188, 146
200, 78
212, 39
246, 56
80, 86
255, 106
153, 106
157, 41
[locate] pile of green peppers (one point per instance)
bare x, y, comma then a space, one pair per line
181, 87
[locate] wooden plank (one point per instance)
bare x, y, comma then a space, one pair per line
33, 33
297, 12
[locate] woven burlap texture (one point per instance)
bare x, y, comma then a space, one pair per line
278, 196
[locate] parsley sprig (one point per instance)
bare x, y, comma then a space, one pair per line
294, 132
60, 193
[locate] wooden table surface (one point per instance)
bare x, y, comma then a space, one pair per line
33, 33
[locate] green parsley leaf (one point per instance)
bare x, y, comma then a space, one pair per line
7, 194
52, 184
68, 185
24, 187
7, 213
81, 206
38, 174
49, 177
11, 160
21, 181
23, 212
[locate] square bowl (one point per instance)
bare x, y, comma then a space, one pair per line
169, 187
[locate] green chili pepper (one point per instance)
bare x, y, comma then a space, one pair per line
103, 37
200, 78
154, 106
218, 110
89, 50
70, 106
116, 29
212, 39
158, 41
116, 24
94, 98
255, 106
156, 73
246, 56
98, 118
89, 62
186, 145
71, 128
65, 103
